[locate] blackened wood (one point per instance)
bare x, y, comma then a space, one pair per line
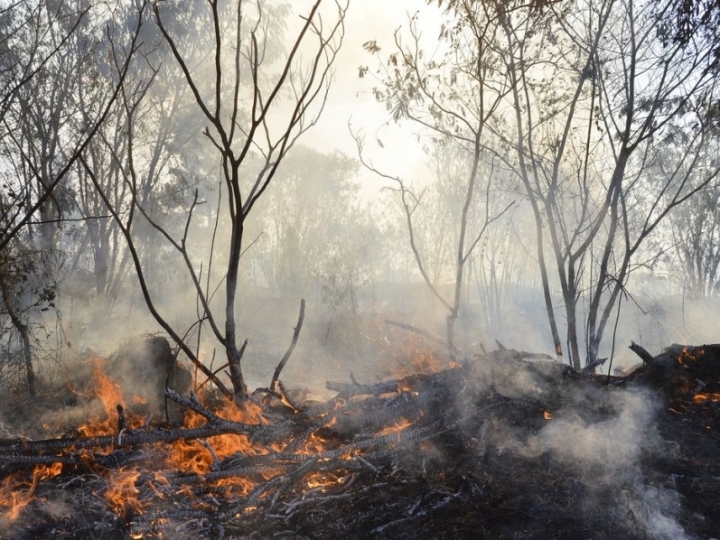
291, 348
645, 356
590, 368
215, 426
358, 389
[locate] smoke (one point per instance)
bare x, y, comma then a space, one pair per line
614, 444
605, 435
653, 509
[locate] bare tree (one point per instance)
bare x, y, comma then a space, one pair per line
45, 50
583, 147
251, 105
577, 98
453, 98
695, 228
34, 106
695, 234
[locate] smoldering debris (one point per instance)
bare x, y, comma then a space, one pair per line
456, 453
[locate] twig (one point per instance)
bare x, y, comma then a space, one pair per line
427, 335
291, 348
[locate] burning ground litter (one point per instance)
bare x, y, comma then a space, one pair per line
495, 447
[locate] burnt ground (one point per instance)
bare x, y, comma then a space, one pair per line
497, 448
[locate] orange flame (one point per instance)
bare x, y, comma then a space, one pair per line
700, 398
548, 415
110, 396
12, 494
399, 426
192, 456
324, 480
106, 390
414, 356
123, 493
686, 358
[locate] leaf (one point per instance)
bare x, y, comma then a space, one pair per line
371, 46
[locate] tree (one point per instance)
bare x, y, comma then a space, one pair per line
297, 242
242, 73
695, 228
577, 98
583, 153
45, 50
35, 52
453, 99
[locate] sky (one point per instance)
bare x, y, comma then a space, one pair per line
351, 98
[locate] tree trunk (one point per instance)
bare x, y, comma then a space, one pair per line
24, 332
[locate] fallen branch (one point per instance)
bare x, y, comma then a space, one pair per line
645, 356
215, 426
419, 331
590, 368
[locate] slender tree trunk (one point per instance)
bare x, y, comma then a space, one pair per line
24, 332
101, 270
234, 355
572, 330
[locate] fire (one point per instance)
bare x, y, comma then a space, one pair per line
315, 444
12, 494
129, 492
250, 413
700, 398
403, 386
324, 480
45, 472
237, 486
414, 357
686, 358
122, 495
548, 415
399, 426
427, 361
106, 390
159, 479
13, 497
192, 456
109, 394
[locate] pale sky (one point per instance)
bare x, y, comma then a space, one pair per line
351, 97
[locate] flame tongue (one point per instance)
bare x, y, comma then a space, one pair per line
700, 398
123, 492
13, 494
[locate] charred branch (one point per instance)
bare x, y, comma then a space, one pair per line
291, 348
645, 356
